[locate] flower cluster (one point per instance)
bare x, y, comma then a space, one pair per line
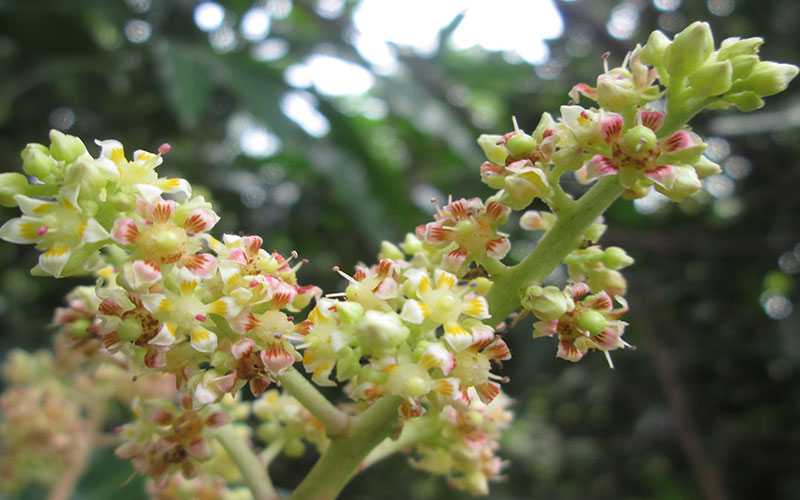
464, 448
406, 331
167, 438
413, 339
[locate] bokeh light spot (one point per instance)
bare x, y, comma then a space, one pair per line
208, 16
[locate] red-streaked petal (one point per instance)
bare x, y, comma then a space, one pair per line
497, 350
663, 175
160, 210
452, 260
585, 89
578, 290
681, 139
545, 328
652, 119
599, 302
203, 265
144, 273
225, 383
567, 350
125, 231
599, 166
481, 335
487, 391
498, 248
495, 211
411, 409
200, 220
242, 348
276, 358
611, 127
258, 385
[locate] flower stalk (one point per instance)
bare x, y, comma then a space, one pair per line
336, 422
253, 471
342, 459
557, 243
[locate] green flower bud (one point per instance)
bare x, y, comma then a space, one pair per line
295, 448
638, 190
653, 51
734, 47
706, 168
165, 241
520, 143
465, 227
11, 183
381, 331
595, 231
547, 303
629, 176
745, 101
411, 244
640, 140
482, 285
348, 366
545, 122
743, 66
592, 322
415, 387
65, 147
616, 258
686, 183
129, 329
689, 50
350, 312
390, 251
615, 90
36, 161
712, 79
494, 152
268, 431
768, 78
78, 328
568, 157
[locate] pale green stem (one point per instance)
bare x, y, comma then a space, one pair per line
414, 431
493, 266
272, 451
335, 421
344, 455
253, 471
681, 108
557, 243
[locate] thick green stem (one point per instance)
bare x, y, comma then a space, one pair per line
344, 455
557, 243
253, 471
336, 422
414, 431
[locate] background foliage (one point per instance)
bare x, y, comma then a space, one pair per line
706, 407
